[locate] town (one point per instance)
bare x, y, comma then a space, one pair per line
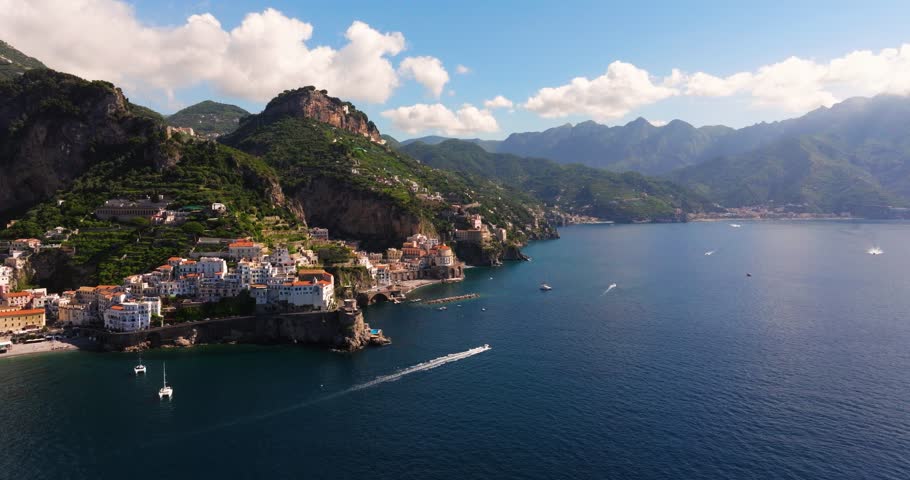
220, 277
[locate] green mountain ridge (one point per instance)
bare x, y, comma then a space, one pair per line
576, 189
208, 118
14, 63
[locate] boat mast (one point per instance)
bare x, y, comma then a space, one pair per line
164, 372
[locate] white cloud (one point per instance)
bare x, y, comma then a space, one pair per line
798, 85
462, 70
437, 117
428, 71
498, 102
265, 54
621, 89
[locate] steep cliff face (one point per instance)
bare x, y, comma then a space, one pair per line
307, 102
53, 126
356, 214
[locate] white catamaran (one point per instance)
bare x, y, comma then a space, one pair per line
165, 391
139, 369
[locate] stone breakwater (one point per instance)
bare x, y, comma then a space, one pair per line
452, 299
341, 330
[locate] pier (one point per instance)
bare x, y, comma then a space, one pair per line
467, 296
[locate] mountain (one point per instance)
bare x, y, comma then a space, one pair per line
638, 145
53, 126
67, 145
576, 189
851, 157
14, 63
488, 145
209, 118
335, 166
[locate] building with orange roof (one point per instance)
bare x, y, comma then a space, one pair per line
16, 299
245, 249
19, 320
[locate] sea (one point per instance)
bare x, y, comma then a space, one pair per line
785, 353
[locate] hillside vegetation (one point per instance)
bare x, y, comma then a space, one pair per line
209, 118
622, 197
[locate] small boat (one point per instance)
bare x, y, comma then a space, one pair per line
483, 309
416, 300
486, 345
748, 274
544, 287
139, 369
735, 225
709, 253
875, 251
165, 390
442, 308
459, 306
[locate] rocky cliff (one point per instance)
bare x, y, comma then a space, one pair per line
53, 126
307, 102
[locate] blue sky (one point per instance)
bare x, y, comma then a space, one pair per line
517, 48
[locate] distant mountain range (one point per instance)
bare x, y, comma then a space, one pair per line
209, 118
853, 156
574, 188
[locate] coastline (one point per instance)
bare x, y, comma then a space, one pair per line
69, 345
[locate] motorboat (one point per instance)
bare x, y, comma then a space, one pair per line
544, 287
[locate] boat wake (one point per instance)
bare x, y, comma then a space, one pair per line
611, 287
875, 251
709, 253
420, 367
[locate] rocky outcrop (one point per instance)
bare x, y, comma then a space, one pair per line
307, 102
357, 214
340, 330
53, 126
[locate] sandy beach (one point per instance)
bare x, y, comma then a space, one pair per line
64, 345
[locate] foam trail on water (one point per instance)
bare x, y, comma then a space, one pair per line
420, 367
611, 287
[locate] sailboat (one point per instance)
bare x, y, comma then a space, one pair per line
139, 369
165, 391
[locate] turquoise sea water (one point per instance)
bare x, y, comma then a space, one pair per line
687, 369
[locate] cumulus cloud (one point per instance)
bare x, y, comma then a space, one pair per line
462, 70
265, 54
498, 102
797, 85
793, 84
428, 71
437, 117
621, 89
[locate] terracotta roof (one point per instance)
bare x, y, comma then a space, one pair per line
241, 243
13, 313
17, 294
116, 307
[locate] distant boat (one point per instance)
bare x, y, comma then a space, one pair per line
483, 309
875, 251
709, 253
544, 287
735, 225
748, 274
139, 369
165, 391
442, 308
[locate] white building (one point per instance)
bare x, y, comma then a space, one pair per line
251, 273
316, 289
130, 316
6, 278
383, 274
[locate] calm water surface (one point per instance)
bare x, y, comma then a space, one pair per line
688, 369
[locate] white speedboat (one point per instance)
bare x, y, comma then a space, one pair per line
442, 308
546, 288
165, 391
875, 251
736, 225
139, 369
